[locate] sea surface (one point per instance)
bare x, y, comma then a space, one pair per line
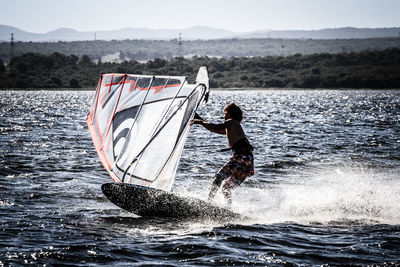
326, 189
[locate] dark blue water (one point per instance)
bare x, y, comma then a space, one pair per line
326, 188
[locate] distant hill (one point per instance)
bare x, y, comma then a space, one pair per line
338, 33
65, 34
5, 34
192, 33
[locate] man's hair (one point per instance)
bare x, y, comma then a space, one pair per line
234, 111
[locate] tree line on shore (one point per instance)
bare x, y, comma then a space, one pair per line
143, 50
367, 69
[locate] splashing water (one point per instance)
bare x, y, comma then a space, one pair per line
330, 196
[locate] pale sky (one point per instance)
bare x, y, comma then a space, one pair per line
41, 16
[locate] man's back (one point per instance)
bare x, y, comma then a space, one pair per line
234, 131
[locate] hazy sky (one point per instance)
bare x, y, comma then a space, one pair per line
236, 15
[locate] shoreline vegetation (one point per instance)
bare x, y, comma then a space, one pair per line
355, 70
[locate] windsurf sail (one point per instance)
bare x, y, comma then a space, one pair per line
139, 124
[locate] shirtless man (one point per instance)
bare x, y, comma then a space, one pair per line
240, 165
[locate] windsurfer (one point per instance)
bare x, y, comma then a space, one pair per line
240, 165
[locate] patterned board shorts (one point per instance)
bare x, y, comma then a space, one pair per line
237, 169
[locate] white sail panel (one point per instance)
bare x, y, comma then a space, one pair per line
142, 131
154, 157
167, 174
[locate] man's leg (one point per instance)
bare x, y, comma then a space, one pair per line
227, 191
221, 175
215, 186
230, 184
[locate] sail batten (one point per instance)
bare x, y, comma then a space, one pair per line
139, 124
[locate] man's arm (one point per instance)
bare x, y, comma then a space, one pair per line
215, 128
212, 127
